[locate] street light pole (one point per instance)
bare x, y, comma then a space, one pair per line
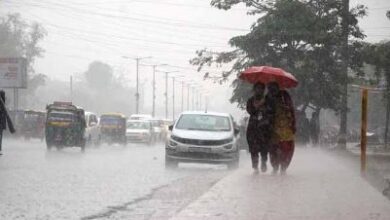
188, 97
173, 98
137, 93
71, 88
137, 60
182, 96
166, 95
154, 92
193, 98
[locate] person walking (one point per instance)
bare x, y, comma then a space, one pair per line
282, 141
3, 119
314, 128
258, 134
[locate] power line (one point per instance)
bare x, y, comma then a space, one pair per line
142, 20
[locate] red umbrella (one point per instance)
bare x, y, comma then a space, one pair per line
267, 74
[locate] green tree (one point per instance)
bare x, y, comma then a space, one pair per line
99, 75
302, 37
21, 39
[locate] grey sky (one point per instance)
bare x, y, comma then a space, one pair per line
168, 30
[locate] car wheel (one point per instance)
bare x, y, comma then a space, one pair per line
170, 163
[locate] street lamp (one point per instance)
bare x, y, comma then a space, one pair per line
137, 59
173, 95
154, 86
166, 90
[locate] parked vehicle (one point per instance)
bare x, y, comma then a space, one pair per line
33, 125
113, 128
140, 131
92, 131
65, 126
140, 117
205, 137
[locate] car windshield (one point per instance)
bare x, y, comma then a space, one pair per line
61, 116
204, 123
110, 120
138, 125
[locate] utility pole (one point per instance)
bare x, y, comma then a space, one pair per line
182, 96
173, 98
166, 95
71, 89
137, 60
193, 98
154, 86
188, 97
342, 139
154, 92
166, 90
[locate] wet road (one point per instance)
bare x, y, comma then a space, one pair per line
109, 182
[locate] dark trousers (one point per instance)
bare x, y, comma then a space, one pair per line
255, 156
1, 138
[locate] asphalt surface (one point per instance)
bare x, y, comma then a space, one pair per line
131, 182
109, 182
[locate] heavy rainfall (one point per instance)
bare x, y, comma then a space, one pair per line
195, 109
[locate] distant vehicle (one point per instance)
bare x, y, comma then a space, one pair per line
202, 137
92, 131
140, 131
140, 117
33, 124
65, 126
158, 129
113, 128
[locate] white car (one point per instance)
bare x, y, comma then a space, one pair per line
139, 131
92, 131
205, 137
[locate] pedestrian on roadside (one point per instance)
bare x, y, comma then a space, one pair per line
283, 135
3, 119
258, 132
314, 128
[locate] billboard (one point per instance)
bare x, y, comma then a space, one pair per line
13, 72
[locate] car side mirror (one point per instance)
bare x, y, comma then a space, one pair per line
170, 127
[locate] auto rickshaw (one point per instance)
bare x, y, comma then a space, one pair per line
113, 128
33, 124
65, 126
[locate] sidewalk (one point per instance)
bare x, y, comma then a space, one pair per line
317, 186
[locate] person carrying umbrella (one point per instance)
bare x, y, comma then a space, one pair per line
258, 132
283, 136
281, 112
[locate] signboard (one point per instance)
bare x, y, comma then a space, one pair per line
13, 73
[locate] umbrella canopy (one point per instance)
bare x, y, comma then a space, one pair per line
267, 74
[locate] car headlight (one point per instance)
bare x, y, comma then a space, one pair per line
172, 143
228, 147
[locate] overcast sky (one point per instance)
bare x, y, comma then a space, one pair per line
168, 30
